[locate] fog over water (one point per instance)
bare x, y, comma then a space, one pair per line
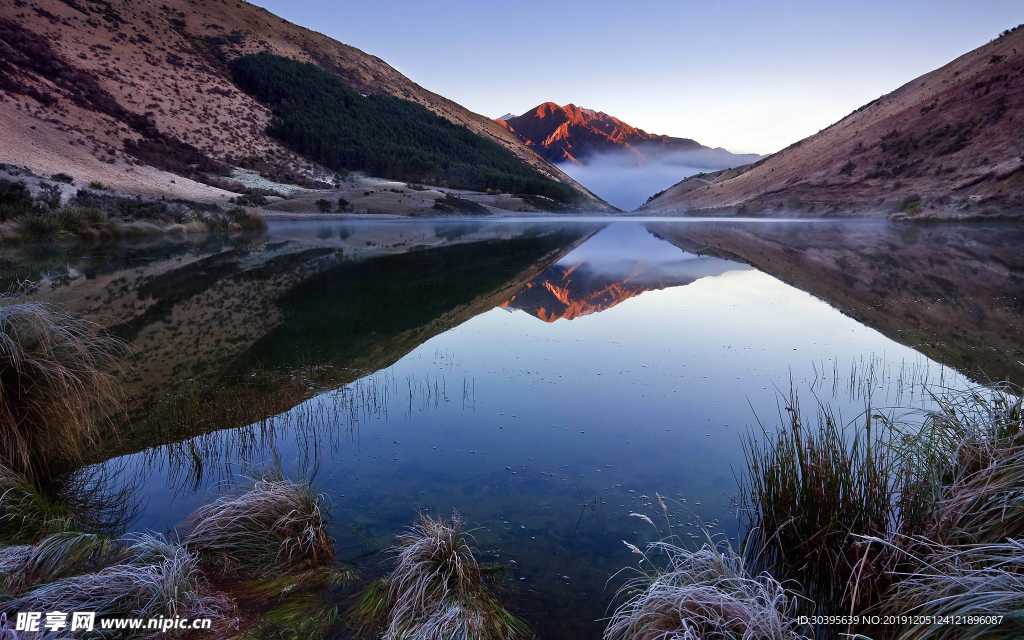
626, 180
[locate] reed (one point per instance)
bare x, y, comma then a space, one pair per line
701, 594
812, 492
97, 499
895, 517
436, 590
56, 385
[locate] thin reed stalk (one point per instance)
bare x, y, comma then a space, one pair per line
877, 516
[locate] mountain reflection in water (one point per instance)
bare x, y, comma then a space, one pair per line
616, 264
383, 355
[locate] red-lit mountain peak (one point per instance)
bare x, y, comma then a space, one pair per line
575, 134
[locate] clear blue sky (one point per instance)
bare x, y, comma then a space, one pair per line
748, 76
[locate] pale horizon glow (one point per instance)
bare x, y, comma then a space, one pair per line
748, 76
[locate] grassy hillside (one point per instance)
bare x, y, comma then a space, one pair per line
138, 96
316, 115
946, 144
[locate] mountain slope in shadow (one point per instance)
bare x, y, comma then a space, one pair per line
953, 293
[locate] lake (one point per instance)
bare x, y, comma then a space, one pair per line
545, 378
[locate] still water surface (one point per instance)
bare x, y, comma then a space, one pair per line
545, 379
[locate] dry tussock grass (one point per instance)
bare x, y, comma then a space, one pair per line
436, 591
57, 384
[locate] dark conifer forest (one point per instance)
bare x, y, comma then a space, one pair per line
316, 115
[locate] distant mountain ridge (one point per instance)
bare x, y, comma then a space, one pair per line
947, 144
575, 134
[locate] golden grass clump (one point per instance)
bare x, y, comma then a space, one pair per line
436, 591
277, 526
985, 582
971, 451
702, 594
265, 550
56, 384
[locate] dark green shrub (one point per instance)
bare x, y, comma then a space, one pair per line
542, 203
49, 194
70, 219
323, 205
451, 204
655, 196
216, 223
248, 221
96, 184
911, 204
343, 204
93, 216
62, 177
793, 202
15, 199
251, 200
35, 227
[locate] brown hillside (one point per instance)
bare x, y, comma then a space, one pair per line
951, 139
77, 77
574, 134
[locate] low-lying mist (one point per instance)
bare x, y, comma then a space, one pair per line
626, 179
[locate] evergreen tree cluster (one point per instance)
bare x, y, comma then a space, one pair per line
318, 116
